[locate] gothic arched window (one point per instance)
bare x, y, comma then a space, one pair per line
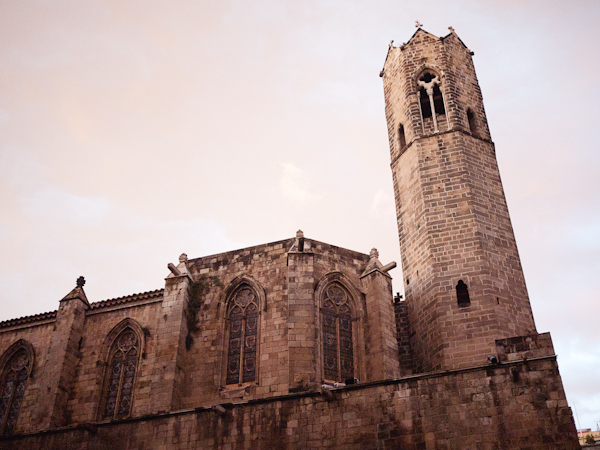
12, 385
431, 99
338, 347
122, 366
242, 326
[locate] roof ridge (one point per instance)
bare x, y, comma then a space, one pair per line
127, 298
28, 319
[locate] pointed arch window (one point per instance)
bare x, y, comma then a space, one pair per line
122, 367
12, 384
430, 97
338, 347
242, 326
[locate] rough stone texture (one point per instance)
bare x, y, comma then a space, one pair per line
452, 216
481, 408
424, 378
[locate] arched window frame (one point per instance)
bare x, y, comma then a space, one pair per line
237, 289
114, 344
16, 365
438, 87
353, 297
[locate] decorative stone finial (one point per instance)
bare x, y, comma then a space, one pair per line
374, 253
299, 234
80, 282
451, 29
391, 43
418, 24
183, 258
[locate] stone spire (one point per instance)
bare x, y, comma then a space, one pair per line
78, 292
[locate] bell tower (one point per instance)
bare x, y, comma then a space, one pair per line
463, 279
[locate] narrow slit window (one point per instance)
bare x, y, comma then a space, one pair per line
472, 122
462, 294
425, 105
438, 100
401, 137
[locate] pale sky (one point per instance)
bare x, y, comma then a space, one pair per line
133, 131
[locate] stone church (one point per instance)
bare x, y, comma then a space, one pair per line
299, 344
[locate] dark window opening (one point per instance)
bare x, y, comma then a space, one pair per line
427, 77
438, 99
472, 122
462, 294
425, 105
242, 325
12, 388
401, 137
338, 347
122, 367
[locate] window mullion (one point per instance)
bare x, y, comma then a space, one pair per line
338, 349
7, 412
8, 407
118, 399
242, 340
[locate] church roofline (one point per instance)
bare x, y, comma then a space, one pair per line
51, 315
155, 294
441, 38
230, 252
127, 299
289, 241
42, 317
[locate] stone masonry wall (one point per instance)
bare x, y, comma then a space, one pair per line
85, 398
482, 408
38, 335
453, 219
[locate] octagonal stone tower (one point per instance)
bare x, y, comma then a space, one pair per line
463, 279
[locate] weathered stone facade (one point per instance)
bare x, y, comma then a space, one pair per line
298, 343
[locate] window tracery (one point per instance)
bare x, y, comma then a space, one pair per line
122, 367
13, 382
338, 347
431, 100
242, 324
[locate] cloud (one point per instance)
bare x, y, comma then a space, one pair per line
57, 235
382, 205
294, 183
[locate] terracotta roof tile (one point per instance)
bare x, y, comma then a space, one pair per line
127, 299
28, 319
97, 305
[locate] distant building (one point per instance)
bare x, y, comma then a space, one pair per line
300, 344
583, 436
